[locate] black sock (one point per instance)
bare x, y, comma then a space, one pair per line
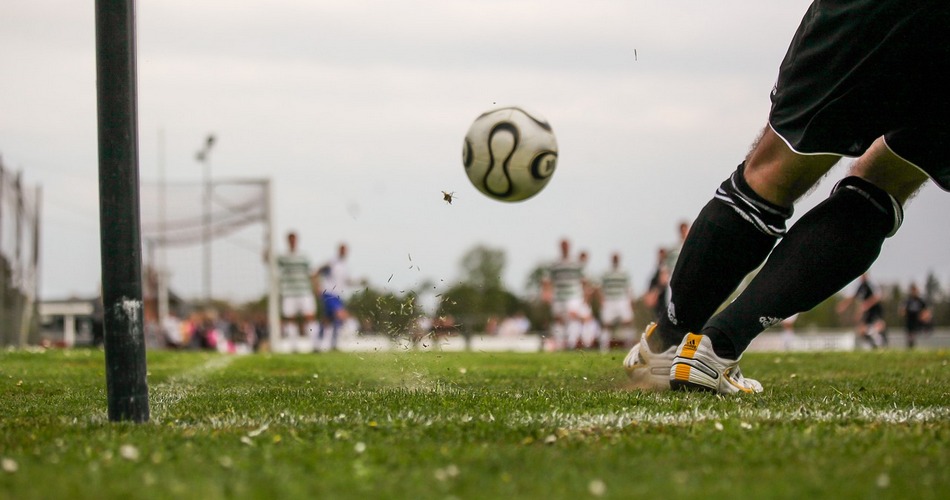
829, 247
732, 235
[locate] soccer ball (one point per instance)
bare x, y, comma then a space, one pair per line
510, 154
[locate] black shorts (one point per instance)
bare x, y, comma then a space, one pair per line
872, 315
858, 70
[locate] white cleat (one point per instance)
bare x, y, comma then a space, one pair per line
696, 366
647, 369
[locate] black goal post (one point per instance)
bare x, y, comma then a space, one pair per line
119, 230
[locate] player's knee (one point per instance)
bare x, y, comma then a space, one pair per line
766, 217
886, 169
881, 201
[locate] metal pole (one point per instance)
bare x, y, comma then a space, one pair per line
204, 156
207, 232
120, 231
162, 275
273, 292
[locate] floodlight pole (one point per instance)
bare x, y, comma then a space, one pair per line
120, 231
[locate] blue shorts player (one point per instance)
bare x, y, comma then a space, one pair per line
334, 278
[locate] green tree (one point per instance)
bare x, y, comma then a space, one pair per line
938, 299
932, 291
480, 294
482, 267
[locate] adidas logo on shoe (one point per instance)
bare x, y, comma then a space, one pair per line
691, 344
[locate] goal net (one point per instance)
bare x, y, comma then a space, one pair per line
19, 258
206, 243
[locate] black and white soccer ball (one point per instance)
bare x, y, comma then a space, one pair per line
510, 154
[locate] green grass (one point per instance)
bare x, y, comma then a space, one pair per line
474, 425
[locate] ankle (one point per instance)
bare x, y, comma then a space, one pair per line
721, 343
663, 338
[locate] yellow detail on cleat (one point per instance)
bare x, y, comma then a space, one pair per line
692, 343
682, 372
649, 331
742, 388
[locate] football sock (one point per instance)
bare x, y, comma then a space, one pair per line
829, 247
732, 235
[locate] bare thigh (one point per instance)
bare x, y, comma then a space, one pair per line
779, 174
881, 167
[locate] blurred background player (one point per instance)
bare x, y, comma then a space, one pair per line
916, 314
657, 297
616, 307
590, 332
298, 308
657, 294
563, 286
334, 280
673, 253
869, 323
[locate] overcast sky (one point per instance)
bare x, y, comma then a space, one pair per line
356, 111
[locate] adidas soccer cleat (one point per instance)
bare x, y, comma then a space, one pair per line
696, 366
647, 369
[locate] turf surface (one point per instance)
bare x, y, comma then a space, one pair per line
474, 425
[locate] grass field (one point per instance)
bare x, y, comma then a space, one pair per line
474, 425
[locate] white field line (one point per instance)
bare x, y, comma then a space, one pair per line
560, 420
167, 394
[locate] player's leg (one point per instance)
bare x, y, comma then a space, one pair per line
854, 71
861, 335
558, 335
881, 327
572, 331
287, 312
869, 332
331, 308
624, 332
589, 326
912, 337
340, 316
732, 236
828, 248
290, 329
299, 334
735, 232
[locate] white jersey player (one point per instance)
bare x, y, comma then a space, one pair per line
616, 309
564, 288
591, 332
296, 295
334, 279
